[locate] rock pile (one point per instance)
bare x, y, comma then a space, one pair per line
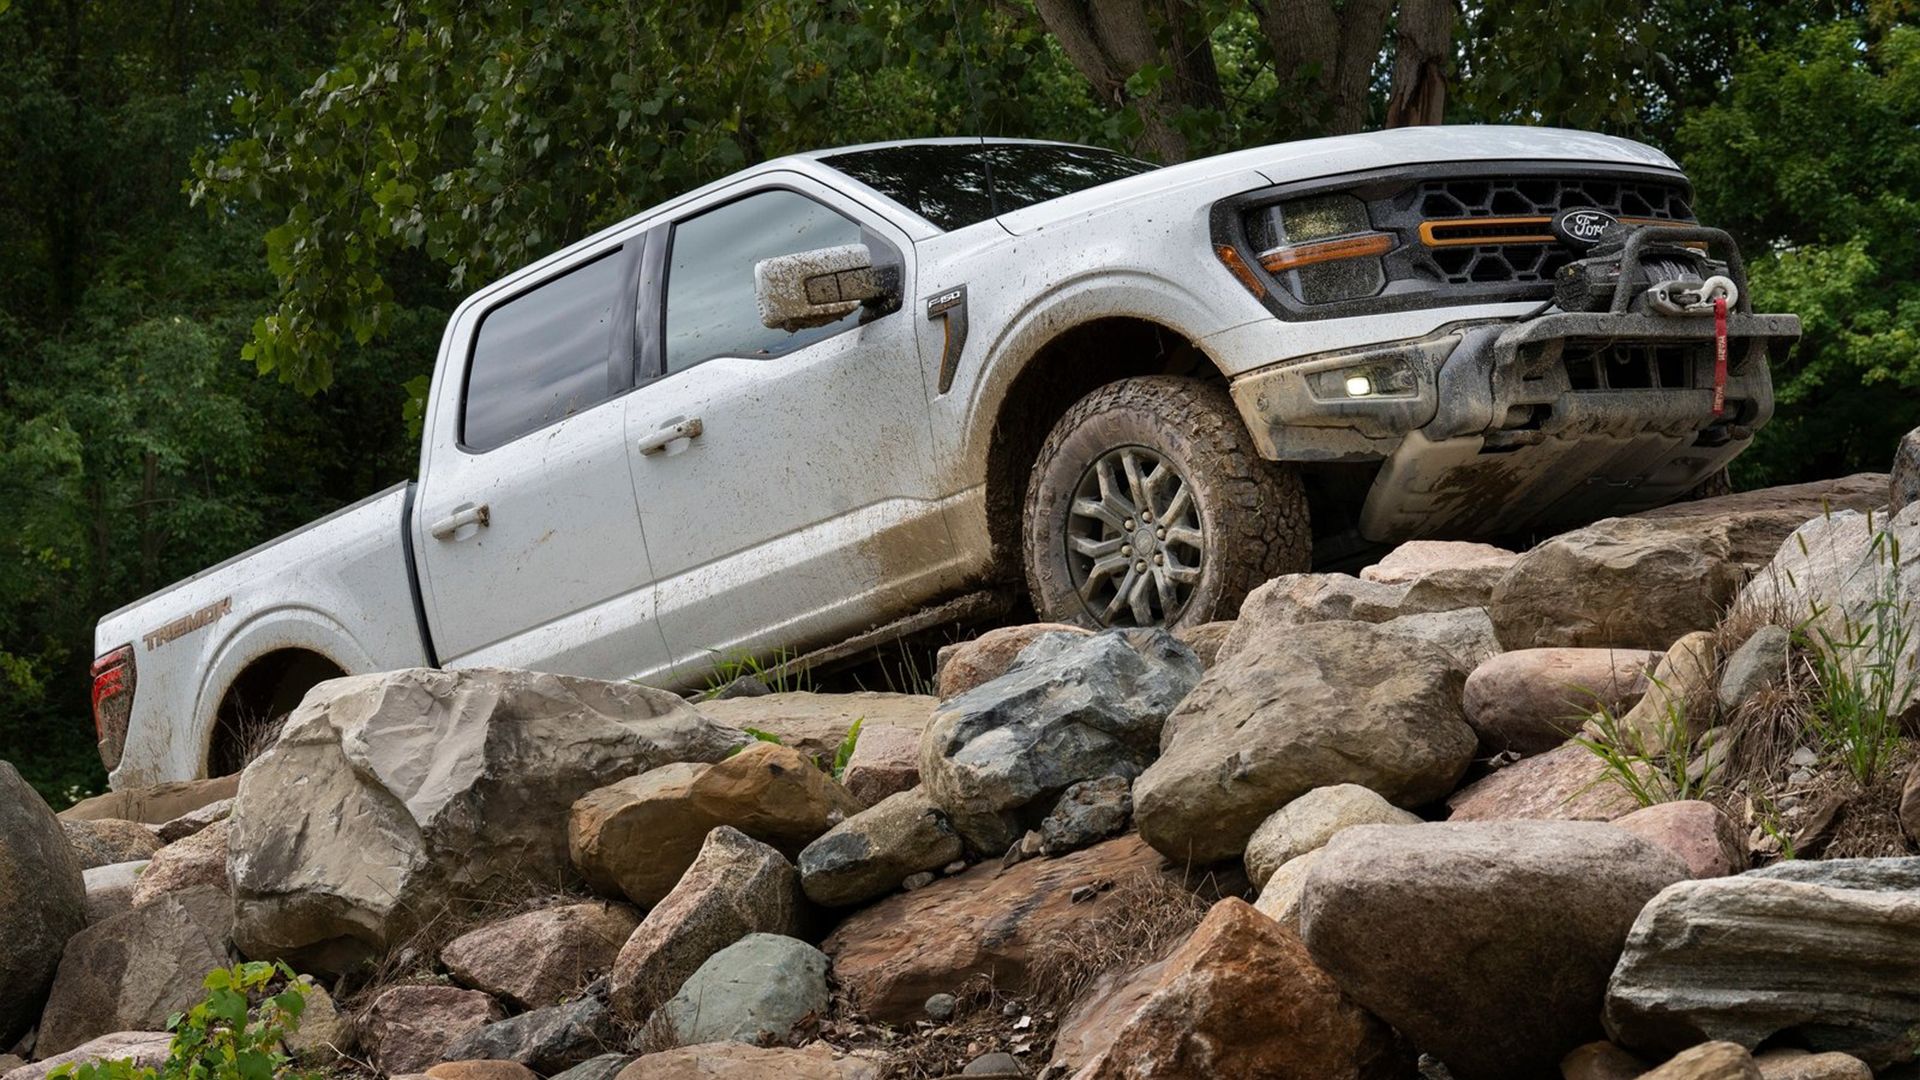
1046, 868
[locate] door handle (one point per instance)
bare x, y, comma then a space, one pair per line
672, 433
459, 519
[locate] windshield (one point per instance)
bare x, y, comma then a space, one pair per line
946, 183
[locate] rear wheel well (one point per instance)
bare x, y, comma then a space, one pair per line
257, 703
1066, 369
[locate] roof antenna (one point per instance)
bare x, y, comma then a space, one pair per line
973, 95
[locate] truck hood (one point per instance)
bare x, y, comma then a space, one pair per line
1312, 159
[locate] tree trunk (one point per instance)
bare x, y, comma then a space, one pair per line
1109, 41
1423, 51
1331, 52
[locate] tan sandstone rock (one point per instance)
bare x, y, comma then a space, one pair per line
43, 902
1708, 1061
816, 724
542, 957
481, 1070
1619, 583
109, 840
1679, 697
146, 1049
1295, 708
636, 837
154, 804
1416, 559
133, 971
1530, 700
1311, 820
735, 887
199, 860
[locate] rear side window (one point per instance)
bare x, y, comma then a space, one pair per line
711, 307
542, 356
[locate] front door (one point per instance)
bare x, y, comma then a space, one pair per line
783, 478
526, 532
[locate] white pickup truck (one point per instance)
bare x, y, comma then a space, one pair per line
839, 388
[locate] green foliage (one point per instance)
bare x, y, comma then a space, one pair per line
777, 673
844, 753
1830, 224
1862, 670
236, 1033
1653, 771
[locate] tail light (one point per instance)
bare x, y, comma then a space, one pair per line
113, 679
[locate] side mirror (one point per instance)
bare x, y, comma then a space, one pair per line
814, 288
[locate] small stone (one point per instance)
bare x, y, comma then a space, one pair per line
1755, 666
999, 1064
480, 1070
1709, 1061
1803, 757
196, 862
941, 1007
1311, 820
323, 1034
604, 1067
957, 866
1089, 812
407, 1029
1794, 1064
917, 881
194, 821
1600, 1061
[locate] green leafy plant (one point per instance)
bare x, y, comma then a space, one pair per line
1652, 771
844, 753
777, 673
1860, 668
236, 1033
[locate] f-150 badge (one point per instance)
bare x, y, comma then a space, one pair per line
950, 307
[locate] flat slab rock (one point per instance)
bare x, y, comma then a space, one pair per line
896, 954
1830, 961
1565, 784
816, 724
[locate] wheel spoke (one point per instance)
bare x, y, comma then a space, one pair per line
1120, 595
1183, 575
1102, 571
1130, 462
1169, 591
1140, 600
1177, 508
1100, 512
1185, 537
1095, 549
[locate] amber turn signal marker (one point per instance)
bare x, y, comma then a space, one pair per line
1230, 259
1282, 259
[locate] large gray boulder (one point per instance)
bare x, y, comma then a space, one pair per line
1622, 583
134, 970
388, 795
1487, 944
1825, 956
43, 901
756, 991
997, 757
1838, 573
872, 852
1296, 708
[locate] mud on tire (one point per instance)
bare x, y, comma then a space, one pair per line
1243, 520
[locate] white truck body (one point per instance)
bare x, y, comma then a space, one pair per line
750, 503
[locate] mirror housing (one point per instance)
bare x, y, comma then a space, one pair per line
814, 288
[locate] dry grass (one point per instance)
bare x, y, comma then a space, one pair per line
1141, 920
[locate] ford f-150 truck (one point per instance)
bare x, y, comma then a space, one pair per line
842, 387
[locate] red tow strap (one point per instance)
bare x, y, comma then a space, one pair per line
1719, 355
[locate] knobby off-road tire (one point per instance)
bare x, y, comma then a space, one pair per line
1242, 521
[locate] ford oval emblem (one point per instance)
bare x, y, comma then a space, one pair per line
1583, 227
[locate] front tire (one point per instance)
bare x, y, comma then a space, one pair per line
1148, 506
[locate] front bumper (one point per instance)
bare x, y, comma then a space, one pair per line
1500, 428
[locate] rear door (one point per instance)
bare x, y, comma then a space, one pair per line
526, 533
784, 478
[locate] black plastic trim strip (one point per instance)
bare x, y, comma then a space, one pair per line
413, 577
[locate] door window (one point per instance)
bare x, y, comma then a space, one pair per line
711, 308
542, 356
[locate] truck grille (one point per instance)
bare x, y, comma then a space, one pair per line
1495, 230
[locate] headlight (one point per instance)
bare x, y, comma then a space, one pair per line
1321, 248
